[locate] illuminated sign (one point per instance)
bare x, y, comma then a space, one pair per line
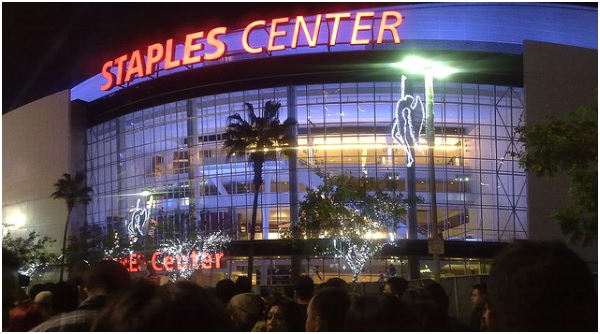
170, 263
138, 224
409, 115
210, 45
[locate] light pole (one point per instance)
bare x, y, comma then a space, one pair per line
430, 69
145, 194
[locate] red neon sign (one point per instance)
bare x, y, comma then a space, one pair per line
199, 46
171, 263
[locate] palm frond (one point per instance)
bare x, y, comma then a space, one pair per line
271, 110
251, 115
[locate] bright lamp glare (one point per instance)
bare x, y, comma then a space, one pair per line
441, 71
417, 65
16, 220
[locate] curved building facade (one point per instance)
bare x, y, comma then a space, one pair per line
175, 152
152, 121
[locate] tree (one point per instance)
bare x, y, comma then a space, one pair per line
569, 145
261, 138
32, 252
74, 191
357, 212
87, 247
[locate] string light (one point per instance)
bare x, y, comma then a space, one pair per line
182, 251
358, 253
36, 269
116, 252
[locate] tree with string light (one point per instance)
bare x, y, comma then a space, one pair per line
32, 252
359, 214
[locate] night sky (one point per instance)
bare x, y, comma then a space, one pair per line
50, 47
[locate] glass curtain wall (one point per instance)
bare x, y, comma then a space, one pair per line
169, 159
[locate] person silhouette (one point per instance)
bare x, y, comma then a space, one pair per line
391, 271
318, 273
542, 287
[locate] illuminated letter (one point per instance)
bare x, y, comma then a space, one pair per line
110, 78
135, 66
312, 42
155, 264
249, 27
274, 33
181, 260
125, 263
168, 261
120, 62
358, 27
194, 259
189, 48
218, 257
169, 54
206, 261
156, 53
336, 25
132, 263
391, 27
220, 46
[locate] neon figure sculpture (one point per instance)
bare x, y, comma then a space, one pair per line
139, 222
409, 115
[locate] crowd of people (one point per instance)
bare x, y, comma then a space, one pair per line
532, 286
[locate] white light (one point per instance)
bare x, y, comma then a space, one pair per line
16, 220
417, 65
403, 132
392, 237
374, 235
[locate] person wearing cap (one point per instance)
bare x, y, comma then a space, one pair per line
245, 310
44, 300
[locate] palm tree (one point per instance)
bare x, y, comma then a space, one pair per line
262, 137
73, 191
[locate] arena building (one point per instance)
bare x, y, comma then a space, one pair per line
148, 129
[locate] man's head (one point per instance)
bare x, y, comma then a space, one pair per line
478, 296
541, 286
106, 277
327, 310
225, 289
335, 282
304, 288
396, 286
243, 285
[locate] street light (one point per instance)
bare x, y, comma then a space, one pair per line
430, 69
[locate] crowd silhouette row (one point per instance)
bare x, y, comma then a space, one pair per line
532, 286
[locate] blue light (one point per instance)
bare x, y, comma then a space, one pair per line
496, 27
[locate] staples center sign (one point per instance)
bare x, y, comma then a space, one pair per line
210, 45
167, 262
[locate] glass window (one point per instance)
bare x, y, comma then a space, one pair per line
342, 128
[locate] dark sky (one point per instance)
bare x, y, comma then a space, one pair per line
49, 47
